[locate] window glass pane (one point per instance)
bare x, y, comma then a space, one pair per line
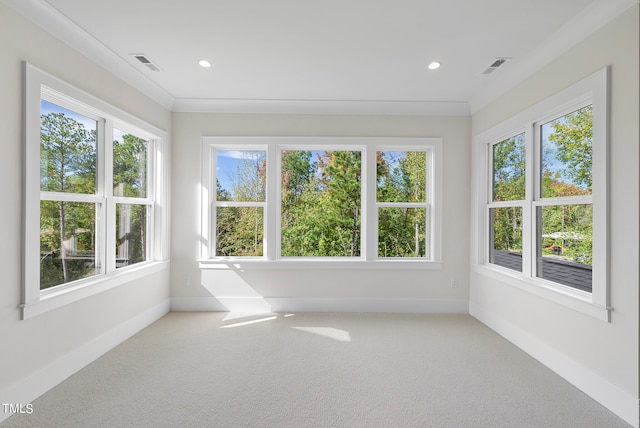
131, 234
566, 155
67, 150
321, 208
239, 231
401, 176
565, 244
129, 165
67, 242
505, 244
402, 232
509, 169
241, 175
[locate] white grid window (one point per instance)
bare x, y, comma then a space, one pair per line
542, 214
93, 188
320, 200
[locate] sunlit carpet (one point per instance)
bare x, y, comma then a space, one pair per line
316, 370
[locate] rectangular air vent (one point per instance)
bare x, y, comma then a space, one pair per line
146, 62
497, 63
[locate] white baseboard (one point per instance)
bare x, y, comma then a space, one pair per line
620, 402
36, 384
304, 304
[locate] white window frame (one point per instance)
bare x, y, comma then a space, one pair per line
215, 204
40, 85
368, 245
592, 90
428, 204
151, 185
515, 203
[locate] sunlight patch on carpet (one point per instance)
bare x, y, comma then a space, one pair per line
330, 332
240, 324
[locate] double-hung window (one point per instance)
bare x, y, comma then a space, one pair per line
562, 201
239, 202
543, 222
403, 202
507, 201
321, 200
93, 194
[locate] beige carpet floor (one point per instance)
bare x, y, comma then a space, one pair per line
315, 370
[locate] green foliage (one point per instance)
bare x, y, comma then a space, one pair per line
566, 230
509, 169
67, 155
239, 230
68, 229
67, 164
130, 158
67, 249
131, 228
401, 232
321, 204
507, 228
130, 167
401, 177
573, 137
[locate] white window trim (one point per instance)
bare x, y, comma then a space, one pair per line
34, 300
593, 90
273, 146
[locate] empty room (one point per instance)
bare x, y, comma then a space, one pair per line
419, 213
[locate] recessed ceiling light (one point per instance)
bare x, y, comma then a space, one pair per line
434, 65
204, 63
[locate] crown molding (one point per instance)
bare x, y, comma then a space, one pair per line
585, 23
597, 14
50, 19
327, 107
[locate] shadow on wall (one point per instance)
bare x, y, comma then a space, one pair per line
233, 289
234, 294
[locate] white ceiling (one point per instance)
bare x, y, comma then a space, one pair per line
322, 55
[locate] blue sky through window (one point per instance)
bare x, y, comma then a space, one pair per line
228, 166
46, 107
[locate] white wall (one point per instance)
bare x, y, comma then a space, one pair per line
66, 336
586, 351
416, 290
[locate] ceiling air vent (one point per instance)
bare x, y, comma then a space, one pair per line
497, 63
146, 62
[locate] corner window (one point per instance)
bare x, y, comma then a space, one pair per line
544, 220
92, 207
320, 200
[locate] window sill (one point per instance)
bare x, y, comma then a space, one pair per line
577, 300
300, 263
63, 295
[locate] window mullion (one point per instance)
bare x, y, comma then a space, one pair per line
528, 211
370, 214
272, 221
105, 187
152, 195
